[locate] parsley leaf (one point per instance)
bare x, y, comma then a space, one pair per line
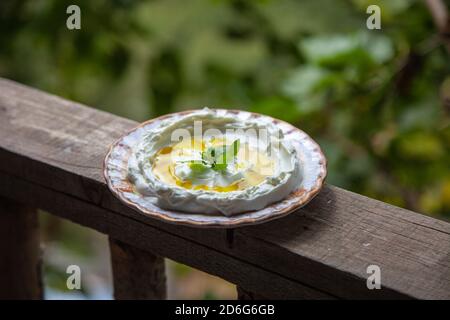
235, 145
219, 157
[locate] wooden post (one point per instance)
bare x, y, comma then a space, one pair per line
137, 274
20, 255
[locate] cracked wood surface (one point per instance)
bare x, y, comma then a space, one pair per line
51, 153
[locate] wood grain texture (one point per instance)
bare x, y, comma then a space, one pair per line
162, 242
51, 153
137, 274
243, 294
20, 254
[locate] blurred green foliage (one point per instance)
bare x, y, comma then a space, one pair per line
372, 98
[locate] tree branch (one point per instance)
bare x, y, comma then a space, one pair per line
441, 18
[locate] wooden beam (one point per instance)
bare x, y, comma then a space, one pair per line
149, 238
20, 255
51, 153
137, 274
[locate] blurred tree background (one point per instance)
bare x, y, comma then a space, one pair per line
377, 101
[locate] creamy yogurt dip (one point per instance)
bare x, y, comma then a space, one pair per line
215, 161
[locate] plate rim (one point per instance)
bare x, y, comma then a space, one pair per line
234, 220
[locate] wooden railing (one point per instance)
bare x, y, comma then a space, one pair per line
51, 153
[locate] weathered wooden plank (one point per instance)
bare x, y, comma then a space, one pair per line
20, 255
137, 274
56, 146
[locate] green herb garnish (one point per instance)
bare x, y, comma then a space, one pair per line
198, 167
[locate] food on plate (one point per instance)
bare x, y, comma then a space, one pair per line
215, 162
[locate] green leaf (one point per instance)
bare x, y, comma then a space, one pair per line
329, 49
306, 80
359, 48
380, 48
209, 155
308, 85
212, 154
225, 153
277, 106
421, 145
218, 157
